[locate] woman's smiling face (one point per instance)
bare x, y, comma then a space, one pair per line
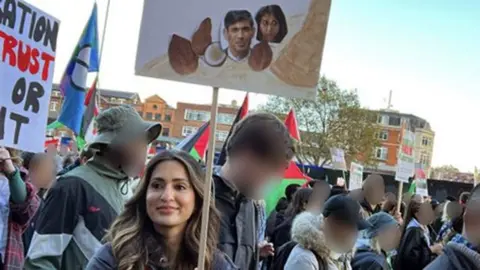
170, 198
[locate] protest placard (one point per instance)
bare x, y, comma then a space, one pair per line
356, 176
421, 186
265, 46
338, 159
406, 158
28, 38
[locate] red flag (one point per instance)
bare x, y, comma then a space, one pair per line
242, 112
292, 125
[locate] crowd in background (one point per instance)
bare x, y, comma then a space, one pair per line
80, 212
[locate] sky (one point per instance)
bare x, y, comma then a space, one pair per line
427, 52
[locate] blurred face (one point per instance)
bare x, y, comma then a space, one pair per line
269, 27
239, 36
255, 175
340, 237
170, 198
389, 238
51, 149
376, 192
135, 153
425, 214
43, 173
472, 222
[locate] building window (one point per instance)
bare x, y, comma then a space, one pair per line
425, 159
53, 106
382, 119
168, 118
149, 116
158, 116
383, 135
121, 100
221, 135
381, 153
225, 118
187, 130
166, 132
426, 141
394, 121
197, 115
155, 107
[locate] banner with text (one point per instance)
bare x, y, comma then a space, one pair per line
265, 46
28, 38
406, 158
338, 159
356, 176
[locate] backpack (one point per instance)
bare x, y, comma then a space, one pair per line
281, 257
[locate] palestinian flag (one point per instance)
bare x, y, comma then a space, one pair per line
89, 130
196, 144
242, 112
292, 175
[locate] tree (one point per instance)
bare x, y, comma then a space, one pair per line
334, 119
444, 172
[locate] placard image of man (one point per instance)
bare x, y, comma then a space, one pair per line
239, 31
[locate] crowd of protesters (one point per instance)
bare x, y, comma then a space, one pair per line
77, 212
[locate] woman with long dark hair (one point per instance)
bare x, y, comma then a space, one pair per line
160, 225
281, 234
272, 24
416, 248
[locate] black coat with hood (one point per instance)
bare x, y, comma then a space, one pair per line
456, 256
414, 252
368, 259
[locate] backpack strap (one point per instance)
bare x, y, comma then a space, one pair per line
322, 264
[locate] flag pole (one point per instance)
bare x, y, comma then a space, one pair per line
100, 56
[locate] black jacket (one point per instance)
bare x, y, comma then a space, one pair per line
456, 256
413, 252
281, 234
368, 210
367, 259
238, 225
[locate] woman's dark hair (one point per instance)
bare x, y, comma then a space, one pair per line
290, 191
412, 210
132, 236
299, 202
277, 12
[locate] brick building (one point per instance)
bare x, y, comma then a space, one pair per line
189, 117
390, 139
177, 122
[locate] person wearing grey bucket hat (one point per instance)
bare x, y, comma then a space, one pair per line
383, 236
83, 203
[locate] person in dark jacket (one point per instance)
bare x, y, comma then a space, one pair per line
373, 192
160, 225
281, 234
280, 208
258, 151
42, 169
371, 252
83, 203
416, 248
462, 252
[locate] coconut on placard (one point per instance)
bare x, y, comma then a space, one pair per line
214, 55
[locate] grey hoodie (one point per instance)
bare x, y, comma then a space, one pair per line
456, 256
306, 231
